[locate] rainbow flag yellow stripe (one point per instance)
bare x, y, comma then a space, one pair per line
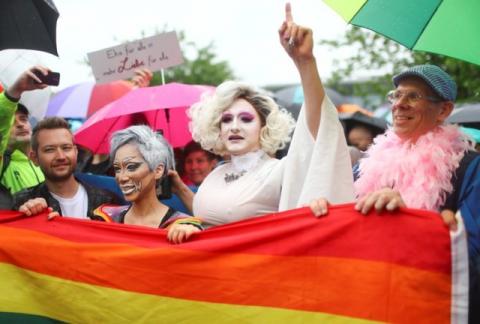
126, 306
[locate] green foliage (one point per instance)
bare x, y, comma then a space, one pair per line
384, 58
200, 67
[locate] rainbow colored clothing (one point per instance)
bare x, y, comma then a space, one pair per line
116, 214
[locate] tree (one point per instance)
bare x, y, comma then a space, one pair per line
375, 53
201, 67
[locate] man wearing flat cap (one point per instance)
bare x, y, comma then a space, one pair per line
422, 163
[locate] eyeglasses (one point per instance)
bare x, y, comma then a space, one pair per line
411, 96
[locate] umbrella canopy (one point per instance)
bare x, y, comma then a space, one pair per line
162, 107
294, 95
84, 99
352, 108
13, 63
375, 124
291, 98
467, 115
447, 27
28, 24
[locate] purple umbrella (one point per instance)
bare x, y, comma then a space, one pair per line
84, 99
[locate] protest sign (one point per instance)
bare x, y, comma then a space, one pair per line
119, 62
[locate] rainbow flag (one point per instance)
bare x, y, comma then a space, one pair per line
287, 267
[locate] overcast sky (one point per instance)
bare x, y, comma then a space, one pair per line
244, 32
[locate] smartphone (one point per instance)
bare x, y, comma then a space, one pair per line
164, 190
52, 78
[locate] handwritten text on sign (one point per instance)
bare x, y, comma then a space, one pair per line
120, 62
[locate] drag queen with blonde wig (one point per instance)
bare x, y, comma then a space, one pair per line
244, 124
277, 124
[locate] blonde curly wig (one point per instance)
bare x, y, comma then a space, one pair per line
277, 124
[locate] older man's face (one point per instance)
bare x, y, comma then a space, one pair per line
414, 118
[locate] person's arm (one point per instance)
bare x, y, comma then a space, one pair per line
298, 43
27, 81
142, 78
9, 98
36, 206
386, 198
181, 190
179, 233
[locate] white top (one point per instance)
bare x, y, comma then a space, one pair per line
77, 206
257, 184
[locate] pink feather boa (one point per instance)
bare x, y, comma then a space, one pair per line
420, 171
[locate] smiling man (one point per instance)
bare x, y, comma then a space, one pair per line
54, 151
420, 162
423, 163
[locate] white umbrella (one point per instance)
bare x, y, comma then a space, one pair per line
14, 62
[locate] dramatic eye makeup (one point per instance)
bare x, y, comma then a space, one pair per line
128, 164
133, 166
226, 118
246, 117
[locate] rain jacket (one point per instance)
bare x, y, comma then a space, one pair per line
7, 115
20, 173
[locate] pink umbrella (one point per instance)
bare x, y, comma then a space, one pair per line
162, 107
84, 99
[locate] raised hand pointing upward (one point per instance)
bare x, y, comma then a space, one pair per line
296, 40
298, 43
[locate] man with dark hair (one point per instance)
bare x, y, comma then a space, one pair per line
198, 163
54, 151
360, 137
19, 172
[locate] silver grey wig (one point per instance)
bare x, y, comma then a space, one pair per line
153, 147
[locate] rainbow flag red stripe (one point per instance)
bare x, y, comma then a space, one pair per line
283, 267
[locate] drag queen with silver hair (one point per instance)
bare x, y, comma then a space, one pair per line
141, 159
246, 125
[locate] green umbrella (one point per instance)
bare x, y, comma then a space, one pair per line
447, 27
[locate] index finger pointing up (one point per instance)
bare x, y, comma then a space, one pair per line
288, 12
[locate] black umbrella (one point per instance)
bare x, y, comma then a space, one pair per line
375, 124
467, 115
28, 24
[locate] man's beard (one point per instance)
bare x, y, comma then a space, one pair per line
16, 141
54, 177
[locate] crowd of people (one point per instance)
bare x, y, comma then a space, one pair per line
230, 172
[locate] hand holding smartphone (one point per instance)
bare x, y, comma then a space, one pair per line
52, 78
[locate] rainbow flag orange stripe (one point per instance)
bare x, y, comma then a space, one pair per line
283, 267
